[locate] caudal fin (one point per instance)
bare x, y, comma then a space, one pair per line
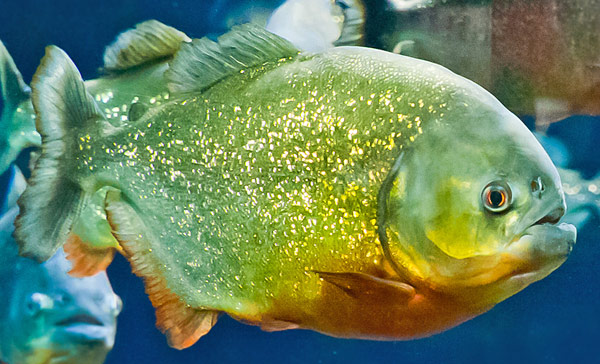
17, 124
54, 197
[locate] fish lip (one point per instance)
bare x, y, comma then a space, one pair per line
550, 216
83, 328
79, 319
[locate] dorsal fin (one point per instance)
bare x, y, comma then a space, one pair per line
149, 41
14, 90
201, 63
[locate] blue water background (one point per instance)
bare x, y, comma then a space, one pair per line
556, 320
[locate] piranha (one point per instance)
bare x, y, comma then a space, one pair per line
133, 69
48, 316
355, 192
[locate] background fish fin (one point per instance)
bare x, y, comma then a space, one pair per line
14, 90
548, 111
149, 41
369, 288
14, 189
353, 28
54, 198
405, 48
201, 63
183, 325
16, 132
316, 25
86, 261
311, 25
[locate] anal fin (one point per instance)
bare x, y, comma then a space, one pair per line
182, 324
86, 261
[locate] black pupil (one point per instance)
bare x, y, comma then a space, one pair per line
496, 198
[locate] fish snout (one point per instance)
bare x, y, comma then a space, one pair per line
113, 304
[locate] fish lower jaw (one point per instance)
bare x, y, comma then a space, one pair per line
544, 242
536, 253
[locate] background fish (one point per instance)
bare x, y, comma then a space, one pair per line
48, 316
314, 25
133, 80
582, 195
310, 191
538, 57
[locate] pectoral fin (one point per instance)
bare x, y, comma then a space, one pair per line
91, 245
277, 325
366, 287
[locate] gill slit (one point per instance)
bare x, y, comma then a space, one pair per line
382, 212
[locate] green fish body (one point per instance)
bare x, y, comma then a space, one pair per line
353, 192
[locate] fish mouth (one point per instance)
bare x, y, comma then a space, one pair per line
543, 246
79, 319
83, 328
552, 218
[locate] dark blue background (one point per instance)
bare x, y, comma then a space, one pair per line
553, 321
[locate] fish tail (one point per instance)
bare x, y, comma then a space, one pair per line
16, 132
60, 186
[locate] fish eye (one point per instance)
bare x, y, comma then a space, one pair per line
38, 302
496, 197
